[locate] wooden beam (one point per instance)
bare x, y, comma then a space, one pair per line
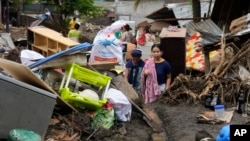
177, 19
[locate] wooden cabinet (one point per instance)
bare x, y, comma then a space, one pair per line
174, 50
47, 41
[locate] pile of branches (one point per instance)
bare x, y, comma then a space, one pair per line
224, 79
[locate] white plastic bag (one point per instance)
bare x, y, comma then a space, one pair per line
29, 57
122, 106
244, 74
106, 46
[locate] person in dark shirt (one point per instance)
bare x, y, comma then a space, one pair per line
162, 68
134, 69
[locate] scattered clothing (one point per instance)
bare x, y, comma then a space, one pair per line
150, 88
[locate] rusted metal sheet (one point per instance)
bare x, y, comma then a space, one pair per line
206, 26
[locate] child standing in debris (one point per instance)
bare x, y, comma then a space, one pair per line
156, 75
72, 23
75, 34
134, 69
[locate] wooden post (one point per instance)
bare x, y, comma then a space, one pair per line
7, 16
207, 61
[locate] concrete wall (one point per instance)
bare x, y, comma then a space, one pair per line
145, 8
125, 9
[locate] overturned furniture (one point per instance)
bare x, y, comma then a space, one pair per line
47, 41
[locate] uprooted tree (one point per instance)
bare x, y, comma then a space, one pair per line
226, 79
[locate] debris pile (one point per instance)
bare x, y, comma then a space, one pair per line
227, 79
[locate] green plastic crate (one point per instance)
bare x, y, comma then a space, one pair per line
88, 76
80, 101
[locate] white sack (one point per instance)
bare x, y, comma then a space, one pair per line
106, 47
29, 57
122, 106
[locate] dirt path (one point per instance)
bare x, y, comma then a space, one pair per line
180, 121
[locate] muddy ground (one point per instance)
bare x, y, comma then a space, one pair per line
179, 121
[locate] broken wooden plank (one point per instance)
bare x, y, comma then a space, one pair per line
103, 66
158, 133
158, 136
122, 85
155, 123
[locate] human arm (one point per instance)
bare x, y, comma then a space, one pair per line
126, 73
123, 37
138, 33
168, 81
153, 37
168, 73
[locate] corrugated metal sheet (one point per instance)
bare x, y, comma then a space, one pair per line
184, 10
210, 32
205, 26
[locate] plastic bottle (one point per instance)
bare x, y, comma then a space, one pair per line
208, 99
243, 109
23, 135
214, 101
241, 102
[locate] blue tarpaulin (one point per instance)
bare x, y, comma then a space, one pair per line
80, 47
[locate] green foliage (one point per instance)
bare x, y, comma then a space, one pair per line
85, 7
28, 1
15, 3
65, 23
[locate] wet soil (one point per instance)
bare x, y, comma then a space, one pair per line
179, 121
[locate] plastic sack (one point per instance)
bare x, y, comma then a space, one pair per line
23, 135
122, 106
244, 74
107, 47
29, 57
104, 117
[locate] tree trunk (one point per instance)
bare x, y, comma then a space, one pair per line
196, 5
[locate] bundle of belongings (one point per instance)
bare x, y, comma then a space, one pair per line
209, 117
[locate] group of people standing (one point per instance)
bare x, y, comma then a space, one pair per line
74, 32
149, 77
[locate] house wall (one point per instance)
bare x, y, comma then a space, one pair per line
126, 8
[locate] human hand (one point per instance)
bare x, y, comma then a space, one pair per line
146, 72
